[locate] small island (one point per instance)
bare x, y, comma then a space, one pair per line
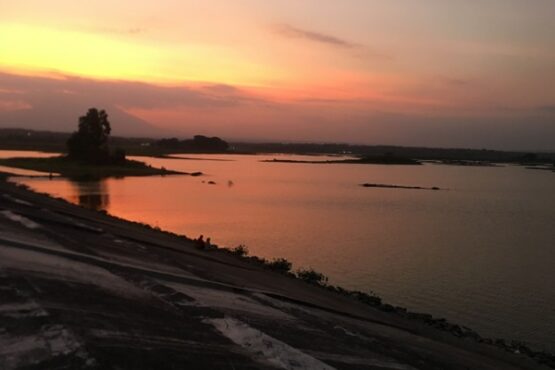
390, 186
467, 163
89, 155
387, 159
66, 167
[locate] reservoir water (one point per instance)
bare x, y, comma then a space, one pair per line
480, 253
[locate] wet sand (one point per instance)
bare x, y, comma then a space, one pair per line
80, 289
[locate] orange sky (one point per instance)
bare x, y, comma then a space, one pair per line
318, 70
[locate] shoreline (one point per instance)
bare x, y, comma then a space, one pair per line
373, 303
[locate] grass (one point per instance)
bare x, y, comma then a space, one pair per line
77, 170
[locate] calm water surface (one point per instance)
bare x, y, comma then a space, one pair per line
481, 253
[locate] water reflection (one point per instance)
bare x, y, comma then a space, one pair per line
463, 254
91, 194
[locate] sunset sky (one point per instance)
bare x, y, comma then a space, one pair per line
404, 72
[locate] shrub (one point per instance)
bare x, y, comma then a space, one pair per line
370, 299
280, 265
312, 276
240, 250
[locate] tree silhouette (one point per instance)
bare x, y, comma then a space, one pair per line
90, 142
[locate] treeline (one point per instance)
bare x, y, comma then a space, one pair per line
198, 143
21, 139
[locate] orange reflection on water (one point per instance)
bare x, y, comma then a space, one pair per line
458, 250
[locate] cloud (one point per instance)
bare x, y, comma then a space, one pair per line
54, 103
356, 50
13, 105
129, 94
289, 31
142, 109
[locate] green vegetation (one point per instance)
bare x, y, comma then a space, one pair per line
77, 170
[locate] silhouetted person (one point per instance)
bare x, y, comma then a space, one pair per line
200, 242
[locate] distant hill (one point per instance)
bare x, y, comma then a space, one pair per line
64, 119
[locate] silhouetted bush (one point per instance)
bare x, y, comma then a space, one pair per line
370, 299
312, 276
240, 250
279, 264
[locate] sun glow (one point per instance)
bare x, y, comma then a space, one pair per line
40, 50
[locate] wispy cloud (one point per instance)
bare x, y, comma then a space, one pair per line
13, 105
355, 49
289, 31
53, 103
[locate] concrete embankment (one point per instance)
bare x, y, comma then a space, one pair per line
80, 289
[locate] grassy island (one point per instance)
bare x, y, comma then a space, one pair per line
383, 159
89, 156
74, 169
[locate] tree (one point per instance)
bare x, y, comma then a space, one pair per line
199, 143
90, 142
